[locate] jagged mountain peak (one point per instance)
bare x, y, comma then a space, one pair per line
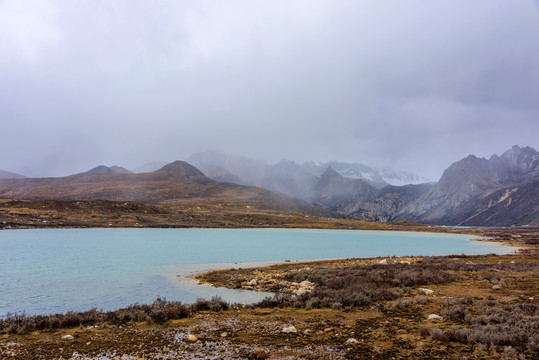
330, 173
468, 170
474, 187
521, 159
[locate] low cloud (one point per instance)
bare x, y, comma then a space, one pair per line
415, 86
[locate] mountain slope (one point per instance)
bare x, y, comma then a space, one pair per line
354, 190
291, 178
10, 175
174, 182
476, 191
334, 191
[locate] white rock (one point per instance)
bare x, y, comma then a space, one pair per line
290, 329
224, 334
67, 337
496, 287
351, 341
306, 283
191, 338
302, 291
434, 317
252, 283
426, 291
383, 261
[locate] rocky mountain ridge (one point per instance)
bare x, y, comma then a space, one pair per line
475, 191
499, 191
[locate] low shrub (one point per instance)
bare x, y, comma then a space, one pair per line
511, 325
159, 311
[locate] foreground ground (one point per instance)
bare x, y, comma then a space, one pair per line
480, 307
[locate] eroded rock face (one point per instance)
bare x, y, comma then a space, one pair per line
499, 191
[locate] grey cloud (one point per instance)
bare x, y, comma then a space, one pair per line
414, 85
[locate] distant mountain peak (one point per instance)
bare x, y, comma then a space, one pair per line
521, 159
113, 170
330, 173
182, 170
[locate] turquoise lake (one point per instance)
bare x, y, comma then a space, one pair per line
55, 270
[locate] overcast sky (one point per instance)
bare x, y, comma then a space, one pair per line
415, 85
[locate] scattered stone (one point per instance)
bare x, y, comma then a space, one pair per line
496, 287
191, 338
290, 329
435, 317
426, 291
67, 337
351, 341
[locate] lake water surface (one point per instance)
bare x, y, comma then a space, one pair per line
56, 270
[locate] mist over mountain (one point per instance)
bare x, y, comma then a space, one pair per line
292, 178
174, 183
150, 166
499, 191
102, 169
473, 191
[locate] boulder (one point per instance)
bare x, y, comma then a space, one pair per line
351, 341
302, 291
435, 317
426, 291
191, 338
67, 337
290, 329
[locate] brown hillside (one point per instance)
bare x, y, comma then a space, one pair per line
173, 183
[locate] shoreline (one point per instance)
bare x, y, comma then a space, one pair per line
187, 274
398, 319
